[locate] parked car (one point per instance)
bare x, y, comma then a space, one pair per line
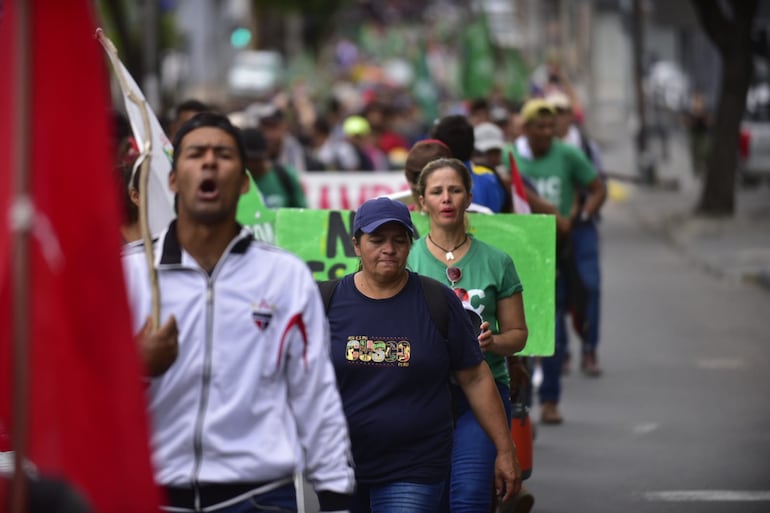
754, 150
255, 73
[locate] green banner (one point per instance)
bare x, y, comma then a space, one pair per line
253, 213
515, 75
424, 89
323, 239
478, 62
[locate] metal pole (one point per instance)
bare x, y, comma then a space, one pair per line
21, 217
645, 162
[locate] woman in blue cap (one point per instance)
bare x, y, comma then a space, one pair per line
394, 365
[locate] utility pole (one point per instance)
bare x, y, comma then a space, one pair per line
644, 157
150, 82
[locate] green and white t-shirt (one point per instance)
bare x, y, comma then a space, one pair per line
557, 173
274, 188
488, 274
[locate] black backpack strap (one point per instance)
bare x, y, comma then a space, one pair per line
327, 289
434, 296
437, 304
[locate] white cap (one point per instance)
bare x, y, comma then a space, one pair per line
488, 136
558, 100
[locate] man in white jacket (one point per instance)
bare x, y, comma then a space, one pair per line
245, 395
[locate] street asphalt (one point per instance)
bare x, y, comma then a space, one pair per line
735, 248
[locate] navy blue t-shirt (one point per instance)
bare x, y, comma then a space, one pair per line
393, 369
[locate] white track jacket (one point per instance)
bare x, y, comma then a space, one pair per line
252, 396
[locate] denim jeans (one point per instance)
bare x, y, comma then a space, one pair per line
400, 497
585, 247
471, 483
550, 388
280, 500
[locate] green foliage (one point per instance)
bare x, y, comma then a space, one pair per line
325, 8
123, 23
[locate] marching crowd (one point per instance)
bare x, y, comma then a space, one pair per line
385, 388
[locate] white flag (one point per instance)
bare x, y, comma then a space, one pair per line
160, 198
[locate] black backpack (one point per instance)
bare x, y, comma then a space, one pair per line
434, 296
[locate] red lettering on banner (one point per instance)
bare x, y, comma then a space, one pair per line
348, 192
380, 190
362, 196
367, 192
344, 200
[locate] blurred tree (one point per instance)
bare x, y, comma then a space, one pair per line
125, 24
318, 19
728, 23
115, 14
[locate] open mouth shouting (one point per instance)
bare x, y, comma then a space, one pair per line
208, 190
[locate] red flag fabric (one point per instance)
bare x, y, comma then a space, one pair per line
520, 203
87, 417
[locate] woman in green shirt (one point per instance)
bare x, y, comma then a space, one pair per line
486, 281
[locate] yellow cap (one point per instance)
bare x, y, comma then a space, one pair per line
534, 108
356, 125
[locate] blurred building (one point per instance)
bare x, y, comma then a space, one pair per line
590, 38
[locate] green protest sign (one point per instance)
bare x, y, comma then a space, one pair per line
253, 212
323, 239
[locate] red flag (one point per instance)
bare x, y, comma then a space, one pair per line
520, 203
87, 417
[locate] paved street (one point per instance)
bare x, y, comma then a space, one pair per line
681, 420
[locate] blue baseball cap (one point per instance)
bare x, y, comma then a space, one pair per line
375, 212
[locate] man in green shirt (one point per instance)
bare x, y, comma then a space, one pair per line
278, 183
558, 171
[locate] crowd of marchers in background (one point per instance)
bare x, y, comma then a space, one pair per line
492, 156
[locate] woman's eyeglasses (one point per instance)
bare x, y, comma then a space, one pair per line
454, 274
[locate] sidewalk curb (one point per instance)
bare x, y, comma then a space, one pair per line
666, 225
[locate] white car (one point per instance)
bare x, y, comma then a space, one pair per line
755, 127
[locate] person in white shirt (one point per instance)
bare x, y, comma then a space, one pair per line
244, 397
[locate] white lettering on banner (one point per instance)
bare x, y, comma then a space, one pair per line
346, 191
263, 232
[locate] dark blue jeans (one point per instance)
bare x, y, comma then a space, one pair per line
400, 497
585, 248
550, 388
471, 483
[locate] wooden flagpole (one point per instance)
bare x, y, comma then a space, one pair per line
145, 158
22, 215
